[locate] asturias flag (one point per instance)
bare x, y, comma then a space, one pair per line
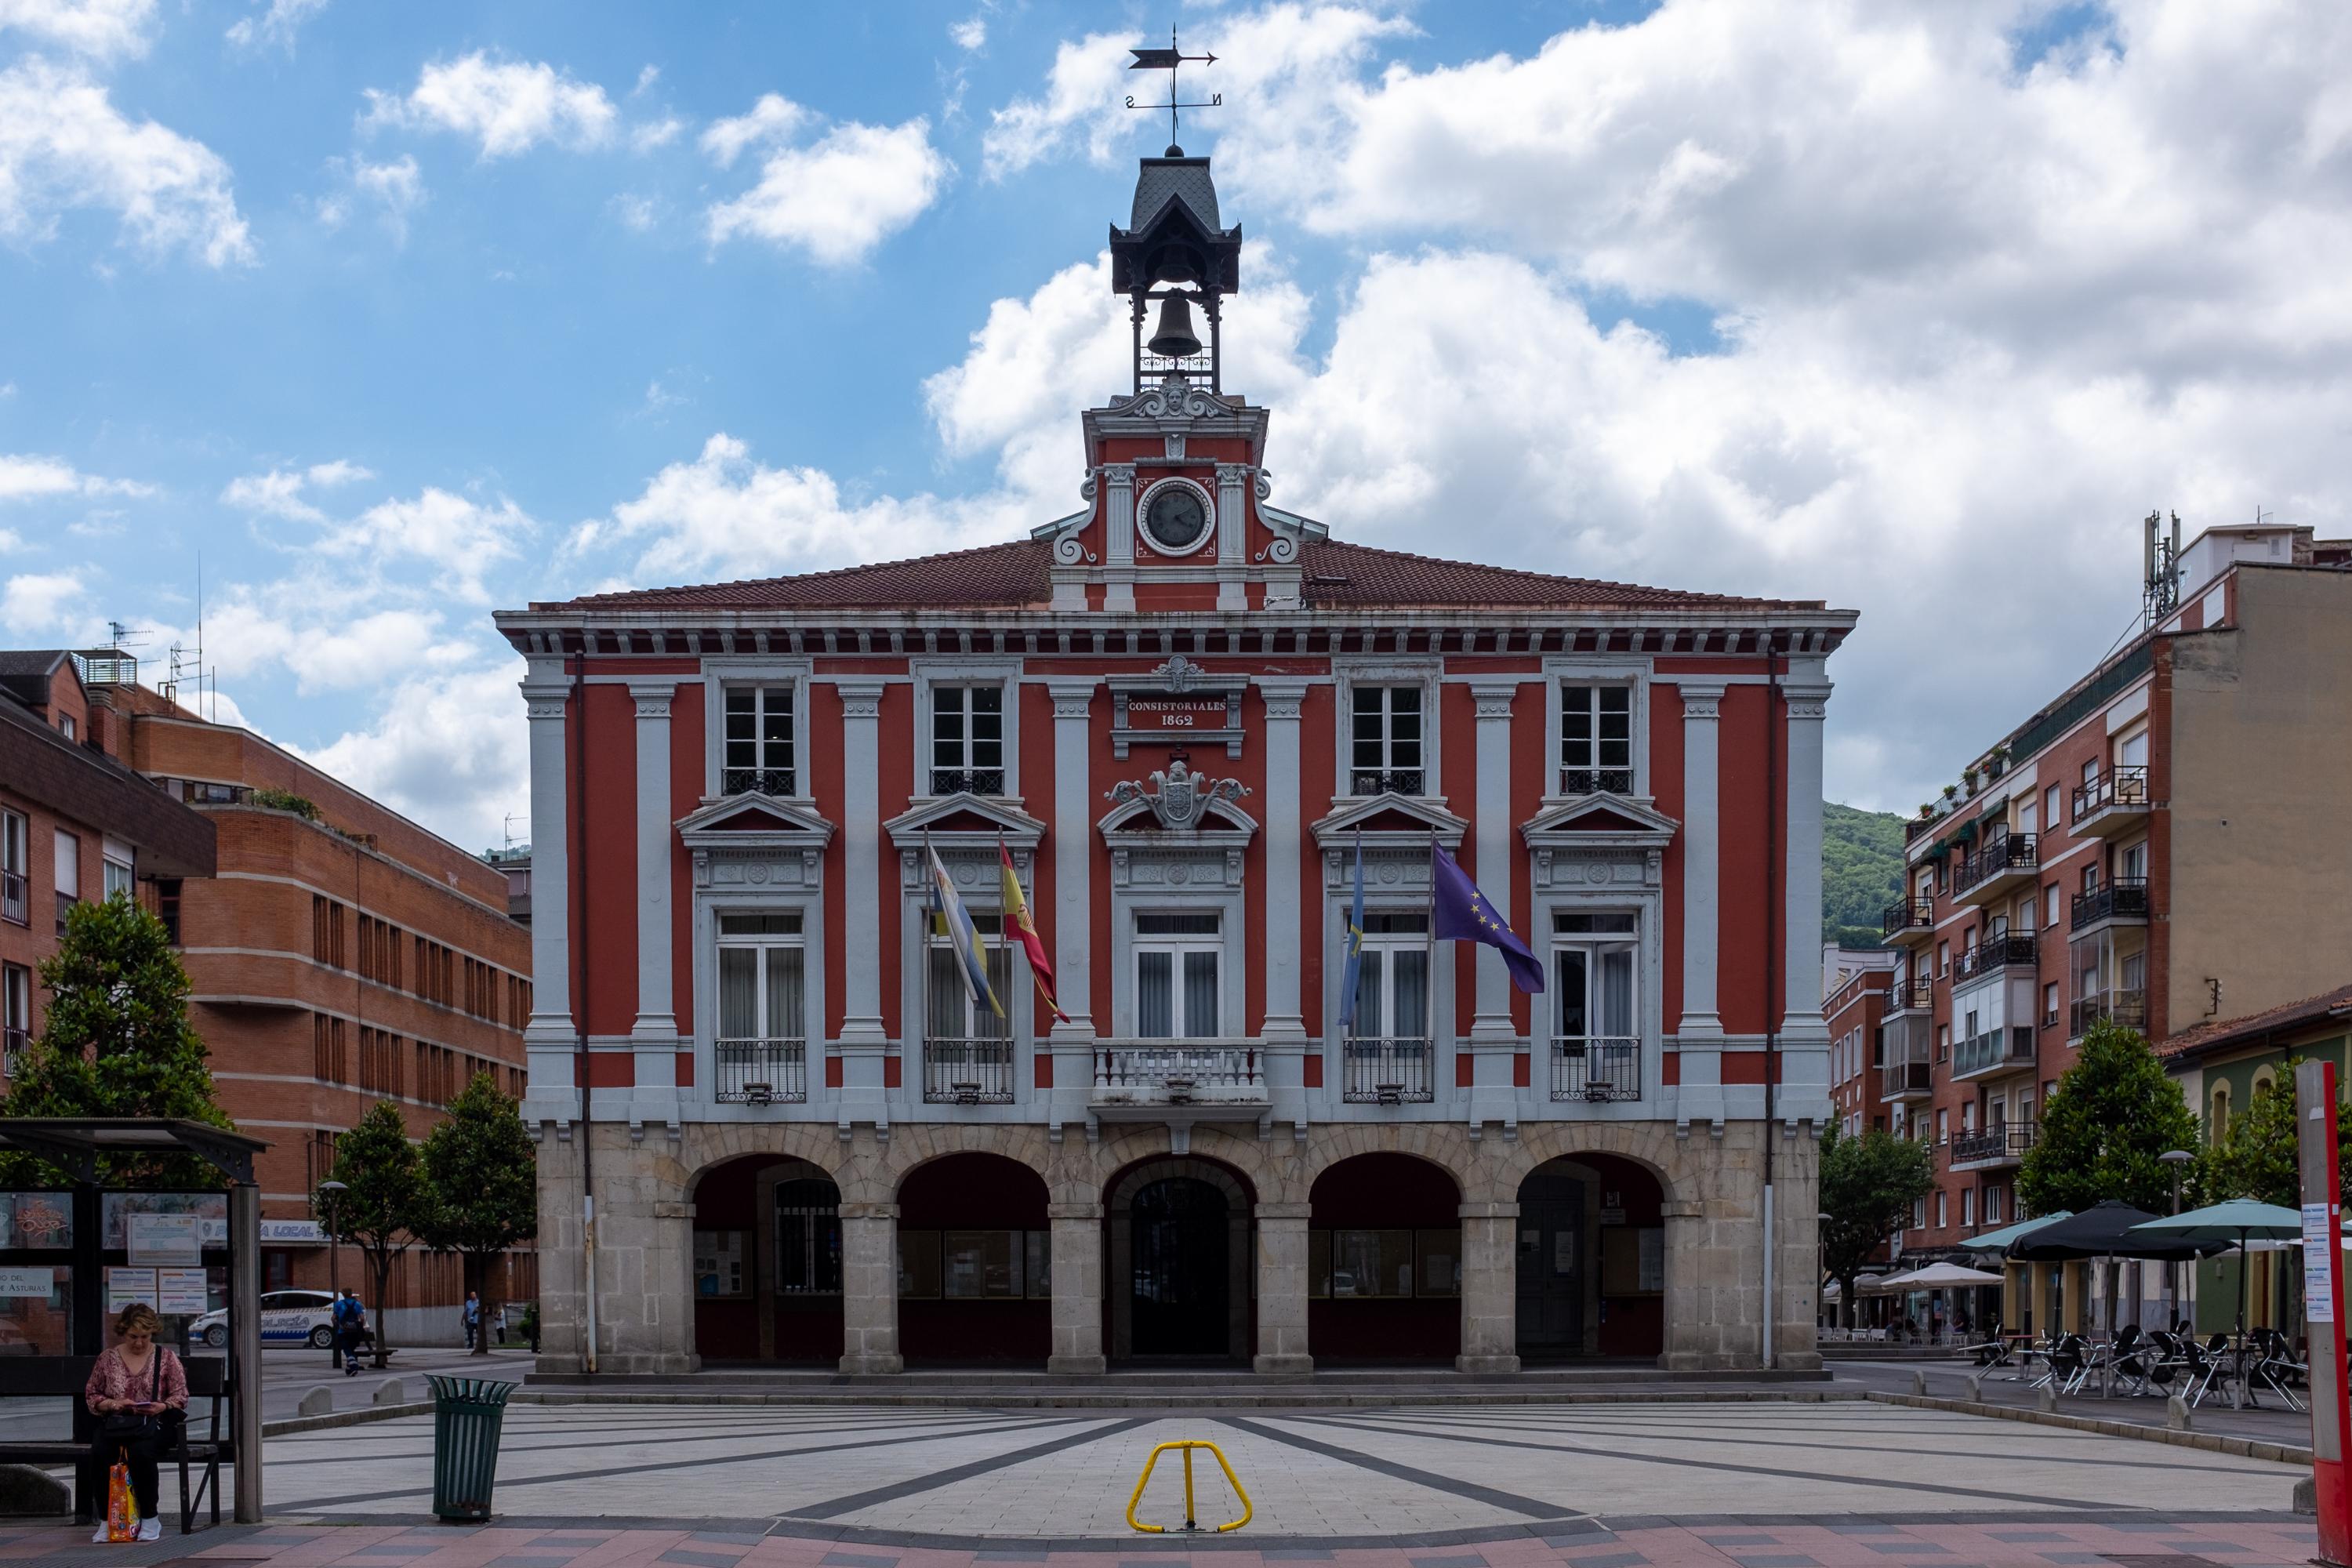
1017, 928
1355, 944
955, 924
1462, 915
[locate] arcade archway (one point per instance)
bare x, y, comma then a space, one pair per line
1590, 1260
975, 1264
1179, 1284
766, 1272
1384, 1261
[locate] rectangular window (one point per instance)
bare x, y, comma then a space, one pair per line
2049, 1004
68, 879
15, 1012
761, 978
1596, 739
1967, 1206
1596, 1041
16, 868
980, 1264
119, 879
2050, 905
1943, 1132
968, 739
167, 907
808, 1240
1941, 1216
759, 758
2049, 807
1943, 1042
1386, 739
1392, 977
966, 1044
2028, 814
1994, 1206
1370, 1263
1943, 958
1177, 994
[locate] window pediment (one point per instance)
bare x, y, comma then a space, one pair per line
743, 822
1390, 818
965, 818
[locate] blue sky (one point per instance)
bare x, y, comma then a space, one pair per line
399, 314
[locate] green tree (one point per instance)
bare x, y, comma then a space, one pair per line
116, 1042
484, 1176
2113, 1113
2256, 1155
1861, 872
1867, 1187
386, 1207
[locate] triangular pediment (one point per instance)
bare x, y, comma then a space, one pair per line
754, 818
1609, 819
965, 815
1390, 816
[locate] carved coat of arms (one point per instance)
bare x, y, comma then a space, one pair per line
1178, 796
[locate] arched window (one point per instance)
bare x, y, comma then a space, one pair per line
2217, 1125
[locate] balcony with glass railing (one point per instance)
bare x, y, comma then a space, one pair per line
1596, 1069
1995, 1051
2121, 901
2004, 862
1995, 1148
1390, 1071
968, 1072
760, 1072
2128, 1008
2115, 802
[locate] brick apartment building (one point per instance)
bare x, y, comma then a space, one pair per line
336, 957
2155, 848
1856, 983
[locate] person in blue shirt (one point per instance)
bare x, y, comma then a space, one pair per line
350, 1322
473, 1319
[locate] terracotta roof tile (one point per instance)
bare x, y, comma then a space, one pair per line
1335, 575
2286, 1015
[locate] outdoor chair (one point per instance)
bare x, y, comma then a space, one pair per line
2069, 1361
2166, 1360
1993, 1349
2276, 1368
2208, 1364
2133, 1359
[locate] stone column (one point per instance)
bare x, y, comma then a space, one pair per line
1282, 1290
1493, 1038
1699, 1033
1490, 1289
654, 1035
1804, 1091
549, 1040
1285, 1029
869, 1289
1693, 1339
1074, 909
864, 1041
1078, 1253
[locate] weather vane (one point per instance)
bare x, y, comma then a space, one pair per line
1169, 60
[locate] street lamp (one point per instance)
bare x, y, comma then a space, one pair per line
2176, 1158
331, 1191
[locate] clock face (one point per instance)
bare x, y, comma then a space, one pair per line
1175, 519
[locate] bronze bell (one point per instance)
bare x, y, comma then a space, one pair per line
1175, 339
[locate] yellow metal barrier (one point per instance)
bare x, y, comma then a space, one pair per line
1186, 1447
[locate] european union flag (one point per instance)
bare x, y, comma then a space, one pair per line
1462, 915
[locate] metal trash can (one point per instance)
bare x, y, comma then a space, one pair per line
467, 1413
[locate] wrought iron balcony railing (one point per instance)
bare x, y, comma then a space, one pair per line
1908, 915
759, 781
13, 903
1596, 1067
2008, 1141
963, 781
1392, 1071
968, 1072
13, 1043
761, 1072
2001, 853
1596, 781
2125, 899
1374, 781
1995, 952
1911, 996
2119, 786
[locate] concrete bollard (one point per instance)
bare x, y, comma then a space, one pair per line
1919, 1383
2176, 1414
316, 1401
2306, 1497
2049, 1400
392, 1391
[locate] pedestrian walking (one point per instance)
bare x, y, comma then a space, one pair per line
499, 1322
352, 1332
472, 1320
139, 1392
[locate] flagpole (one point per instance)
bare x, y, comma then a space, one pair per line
1429, 967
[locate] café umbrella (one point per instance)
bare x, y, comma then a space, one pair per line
2103, 1231
2231, 1223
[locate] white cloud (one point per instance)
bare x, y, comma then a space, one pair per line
395, 189
278, 24
837, 200
23, 476
447, 749
457, 539
100, 28
278, 493
64, 145
773, 118
969, 34
655, 134
10, 541
507, 106
37, 602
636, 212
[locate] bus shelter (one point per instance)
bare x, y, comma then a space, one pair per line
104, 1240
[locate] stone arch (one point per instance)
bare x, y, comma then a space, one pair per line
1270, 1177
1590, 1264
910, 1148
1137, 1274
974, 1232
1654, 1148
1442, 1145
764, 1278
1384, 1259
703, 1146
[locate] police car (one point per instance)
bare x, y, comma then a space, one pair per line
287, 1318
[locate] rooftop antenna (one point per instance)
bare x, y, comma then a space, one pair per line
187, 663
507, 828
2160, 568
1169, 60
120, 636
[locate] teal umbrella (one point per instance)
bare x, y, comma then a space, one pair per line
1999, 1240
2231, 1223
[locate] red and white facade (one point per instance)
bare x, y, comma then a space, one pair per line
1180, 708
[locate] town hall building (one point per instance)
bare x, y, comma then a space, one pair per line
776, 1127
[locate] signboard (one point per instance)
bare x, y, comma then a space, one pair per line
19, 1283
211, 1210
1178, 703
127, 1286
279, 1231
2318, 1278
1175, 712
163, 1238
36, 1219
181, 1292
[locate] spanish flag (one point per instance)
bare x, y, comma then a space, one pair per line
1018, 929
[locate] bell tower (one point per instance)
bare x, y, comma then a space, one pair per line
1174, 252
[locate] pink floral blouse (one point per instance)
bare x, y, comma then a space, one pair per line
111, 1379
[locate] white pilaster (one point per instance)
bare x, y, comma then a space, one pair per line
1118, 536
653, 1034
1074, 909
549, 1037
864, 1041
1494, 1039
1804, 1032
1285, 1030
1232, 535
1699, 1032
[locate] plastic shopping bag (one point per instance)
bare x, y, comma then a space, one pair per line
122, 1506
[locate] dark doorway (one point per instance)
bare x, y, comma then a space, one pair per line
975, 1262
1180, 1265
767, 1262
1551, 1265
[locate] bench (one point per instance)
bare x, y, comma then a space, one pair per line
39, 1376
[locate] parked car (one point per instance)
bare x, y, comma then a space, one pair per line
287, 1318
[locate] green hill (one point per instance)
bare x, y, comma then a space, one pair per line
1861, 872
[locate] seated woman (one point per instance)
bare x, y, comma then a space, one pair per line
139, 1392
